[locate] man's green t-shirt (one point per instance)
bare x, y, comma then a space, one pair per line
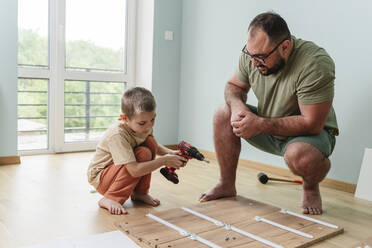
307, 78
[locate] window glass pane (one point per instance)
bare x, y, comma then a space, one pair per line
90, 107
95, 35
33, 33
32, 114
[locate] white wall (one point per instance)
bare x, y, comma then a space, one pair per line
166, 69
8, 78
214, 31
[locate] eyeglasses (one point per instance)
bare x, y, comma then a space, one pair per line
262, 57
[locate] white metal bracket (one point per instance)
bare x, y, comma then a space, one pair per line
183, 232
284, 211
230, 227
257, 218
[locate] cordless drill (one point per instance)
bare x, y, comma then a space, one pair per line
188, 152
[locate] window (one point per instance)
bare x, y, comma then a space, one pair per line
33, 53
75, 60
90, 107
32, 114
33, 34
95, 39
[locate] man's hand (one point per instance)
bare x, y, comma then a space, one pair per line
246, 125
238, 114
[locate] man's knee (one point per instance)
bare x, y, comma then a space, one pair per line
222, 115
143, 154
301, 157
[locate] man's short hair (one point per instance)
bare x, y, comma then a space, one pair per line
272, 24
136, 100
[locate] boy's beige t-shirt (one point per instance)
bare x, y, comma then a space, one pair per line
116, 147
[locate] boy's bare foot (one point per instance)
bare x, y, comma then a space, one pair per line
219, 191
311, 201
112, 206
145, 198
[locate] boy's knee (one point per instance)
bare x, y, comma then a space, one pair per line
151, 143
143, 154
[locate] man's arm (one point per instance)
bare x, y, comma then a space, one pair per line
236, 95
236, 92
311, 121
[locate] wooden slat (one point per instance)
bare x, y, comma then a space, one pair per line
148, 231
286, 238
220, 236
237, 211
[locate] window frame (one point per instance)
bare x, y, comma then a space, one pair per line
56, 74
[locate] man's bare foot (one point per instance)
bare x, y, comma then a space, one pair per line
219, 191
145, 198
112, 206
311, 201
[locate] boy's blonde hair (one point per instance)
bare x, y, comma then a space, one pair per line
136, 100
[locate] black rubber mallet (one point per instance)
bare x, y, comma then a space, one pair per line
263, 178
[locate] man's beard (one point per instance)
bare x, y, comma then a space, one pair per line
273, 69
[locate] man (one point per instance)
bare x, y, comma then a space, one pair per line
293, 81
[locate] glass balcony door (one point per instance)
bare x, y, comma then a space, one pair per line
75, 60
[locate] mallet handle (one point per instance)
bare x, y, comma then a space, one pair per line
285, 180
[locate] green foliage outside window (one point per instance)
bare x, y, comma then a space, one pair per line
84, 54
36, 99
32, 48
33, 51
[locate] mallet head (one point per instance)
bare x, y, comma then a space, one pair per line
262, 177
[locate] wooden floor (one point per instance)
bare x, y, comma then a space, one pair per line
47, 196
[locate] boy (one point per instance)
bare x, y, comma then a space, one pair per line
125, 157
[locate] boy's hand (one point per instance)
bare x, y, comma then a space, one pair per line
178, 152
174, 160
175, 152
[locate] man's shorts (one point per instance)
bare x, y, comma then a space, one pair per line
324, 141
